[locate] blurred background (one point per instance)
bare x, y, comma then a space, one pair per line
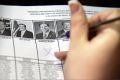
103, 3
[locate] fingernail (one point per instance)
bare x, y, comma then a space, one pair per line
74, 6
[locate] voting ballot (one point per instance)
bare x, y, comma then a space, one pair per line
29, 36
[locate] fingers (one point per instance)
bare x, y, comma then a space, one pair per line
61, 55
103, 16
79, 23
109, 33
74, 6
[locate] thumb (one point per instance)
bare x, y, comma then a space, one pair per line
61, 55
79, 23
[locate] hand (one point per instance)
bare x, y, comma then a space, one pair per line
95, 59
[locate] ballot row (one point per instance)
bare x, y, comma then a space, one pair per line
31, 48
29, 69
27, 49
30, 59
46, 29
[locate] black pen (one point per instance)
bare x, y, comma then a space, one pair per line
96, 26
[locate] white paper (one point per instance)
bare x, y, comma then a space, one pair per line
29, 39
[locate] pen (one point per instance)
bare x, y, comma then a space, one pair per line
96, 26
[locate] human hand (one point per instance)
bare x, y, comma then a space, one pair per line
93, 59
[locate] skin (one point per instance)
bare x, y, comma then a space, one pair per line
66, 26
2, 26
95, 59
22, 27
44, 27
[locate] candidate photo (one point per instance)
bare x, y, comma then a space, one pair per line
21, 31
5, 28
46, 31
63, 27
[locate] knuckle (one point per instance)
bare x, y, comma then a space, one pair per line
77, 19
117, 23
78, 22
116, 12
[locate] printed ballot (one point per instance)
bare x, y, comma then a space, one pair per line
29, 36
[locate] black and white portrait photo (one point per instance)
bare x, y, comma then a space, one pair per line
45, 30
5, 28
23, 29
62, 28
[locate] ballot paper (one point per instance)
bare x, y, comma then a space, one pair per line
29, 36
